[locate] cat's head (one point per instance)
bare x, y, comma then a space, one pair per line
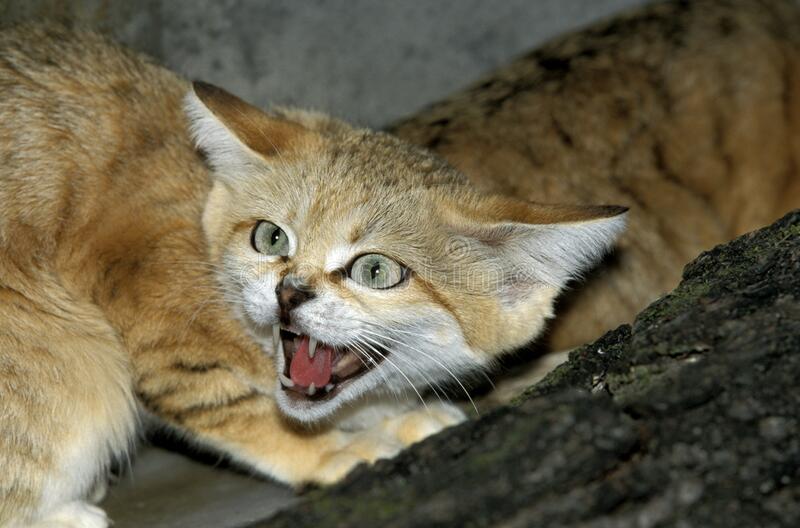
363, 264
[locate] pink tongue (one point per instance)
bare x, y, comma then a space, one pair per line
305, 370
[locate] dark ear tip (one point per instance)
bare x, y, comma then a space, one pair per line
204, 89
616, 210
605, 211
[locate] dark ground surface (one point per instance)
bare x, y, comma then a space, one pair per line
689, 417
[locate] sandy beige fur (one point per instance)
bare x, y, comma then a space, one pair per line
688, 112
125, 262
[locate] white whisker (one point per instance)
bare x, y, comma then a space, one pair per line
447, 369
359, 351
433, 386
376, 351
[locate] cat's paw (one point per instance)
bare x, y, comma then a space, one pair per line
358, 447
386, 439
77, 514
422, 422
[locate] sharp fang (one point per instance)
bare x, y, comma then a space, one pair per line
312, 347
312, 389
276, 337
285, 381
280, 347
329, 387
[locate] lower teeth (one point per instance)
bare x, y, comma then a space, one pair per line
311, 390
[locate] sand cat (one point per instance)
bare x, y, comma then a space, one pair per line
281, 293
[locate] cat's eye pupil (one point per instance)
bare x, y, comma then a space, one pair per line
375, 271
276, 235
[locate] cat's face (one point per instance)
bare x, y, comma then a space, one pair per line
363, 265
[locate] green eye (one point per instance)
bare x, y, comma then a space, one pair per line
376, 271
270, 239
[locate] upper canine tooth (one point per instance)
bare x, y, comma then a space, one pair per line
276, 336
312, 389
285, 380
312, 347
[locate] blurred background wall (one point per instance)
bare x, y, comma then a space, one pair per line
370, 61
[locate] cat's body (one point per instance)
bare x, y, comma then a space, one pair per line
136, 283
74, 252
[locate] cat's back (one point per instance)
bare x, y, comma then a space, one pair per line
89, 131
60, 86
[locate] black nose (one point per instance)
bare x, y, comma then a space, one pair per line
292, 291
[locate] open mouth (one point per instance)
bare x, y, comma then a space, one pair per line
317, 371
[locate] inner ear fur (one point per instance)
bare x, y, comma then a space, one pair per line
265, 134
535, 243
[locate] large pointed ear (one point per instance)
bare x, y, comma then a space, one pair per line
529, 245
233, 133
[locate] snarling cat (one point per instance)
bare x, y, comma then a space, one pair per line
278, 286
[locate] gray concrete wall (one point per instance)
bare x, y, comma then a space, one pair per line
369, 61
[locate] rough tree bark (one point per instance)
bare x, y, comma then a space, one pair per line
689, 417
686, 111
